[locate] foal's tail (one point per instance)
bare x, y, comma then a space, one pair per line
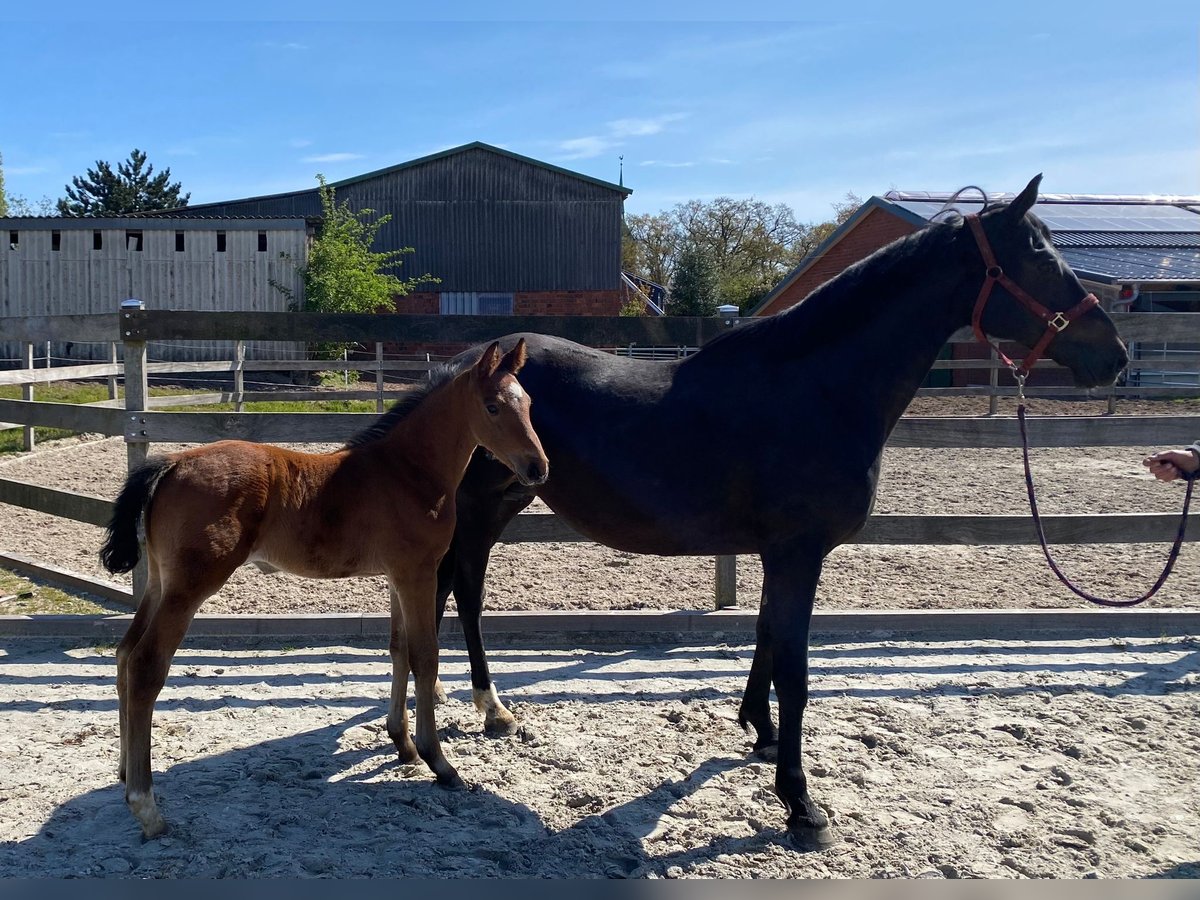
121, 550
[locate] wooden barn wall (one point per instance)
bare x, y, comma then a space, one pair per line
482, 221
36, 280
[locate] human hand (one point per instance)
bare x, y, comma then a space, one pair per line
1171, 464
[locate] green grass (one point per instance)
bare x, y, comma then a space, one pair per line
91, 392
21, 597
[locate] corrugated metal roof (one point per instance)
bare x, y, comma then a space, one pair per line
1141, 265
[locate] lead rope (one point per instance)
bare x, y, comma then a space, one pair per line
1037, 521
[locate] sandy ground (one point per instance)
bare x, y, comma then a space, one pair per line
588, 576
935, 760
953, 759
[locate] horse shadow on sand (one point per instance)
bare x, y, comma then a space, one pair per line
291, 807
314, 804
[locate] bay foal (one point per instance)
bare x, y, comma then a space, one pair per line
382, 504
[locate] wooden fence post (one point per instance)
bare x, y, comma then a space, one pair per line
137, 390
239, 375
378, 377
114, 358
725, 584
993, 382
27, 436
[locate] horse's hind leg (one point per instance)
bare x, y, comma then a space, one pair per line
397, 720
146, 664
147, 605
756, 700
417, 600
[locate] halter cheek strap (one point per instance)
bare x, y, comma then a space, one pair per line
1055, 321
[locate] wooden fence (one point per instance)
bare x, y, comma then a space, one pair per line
141, 424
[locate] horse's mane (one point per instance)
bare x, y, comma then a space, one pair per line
825, 313
412, 398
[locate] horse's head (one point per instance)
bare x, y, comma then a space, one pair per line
1030, 295
500, 414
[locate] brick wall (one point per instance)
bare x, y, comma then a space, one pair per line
873, 231
525, 303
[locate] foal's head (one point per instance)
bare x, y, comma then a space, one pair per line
499, 414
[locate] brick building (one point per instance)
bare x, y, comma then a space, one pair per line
1133, 252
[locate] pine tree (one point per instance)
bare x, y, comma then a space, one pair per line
132, 188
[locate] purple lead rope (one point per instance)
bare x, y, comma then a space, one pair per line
1037, 521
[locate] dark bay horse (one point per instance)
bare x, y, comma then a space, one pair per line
769, 439
383, 504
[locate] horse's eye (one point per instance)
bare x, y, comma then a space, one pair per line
493, 409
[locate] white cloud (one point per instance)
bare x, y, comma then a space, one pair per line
585, 147
641, 127
299, 143
332, 157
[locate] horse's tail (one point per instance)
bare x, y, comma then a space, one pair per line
121, 548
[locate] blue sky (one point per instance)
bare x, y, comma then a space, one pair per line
781, 106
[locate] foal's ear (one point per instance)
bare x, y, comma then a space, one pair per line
1025, 200
515, 358
489, 362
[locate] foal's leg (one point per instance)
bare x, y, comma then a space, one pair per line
147, 606
397, 720
790, 583
756, 700
146, 664
416, 591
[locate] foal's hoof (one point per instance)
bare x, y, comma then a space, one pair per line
439, 693
812, 838
451, 781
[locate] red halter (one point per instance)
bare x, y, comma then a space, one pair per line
1055, 321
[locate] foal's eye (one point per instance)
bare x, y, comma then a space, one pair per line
493, 409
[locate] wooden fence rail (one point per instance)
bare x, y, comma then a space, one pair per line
141, 425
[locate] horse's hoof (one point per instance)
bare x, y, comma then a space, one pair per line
439, 693
767, 752
451, 781
812, 838
501, 727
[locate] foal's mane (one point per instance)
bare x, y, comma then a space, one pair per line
400, 410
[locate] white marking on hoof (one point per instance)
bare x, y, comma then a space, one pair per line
496, 718
145, 810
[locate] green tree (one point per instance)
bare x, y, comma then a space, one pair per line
343, 274
133, 187
693, 285
750, 244
3, 194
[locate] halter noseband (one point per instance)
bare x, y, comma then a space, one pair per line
1055, 321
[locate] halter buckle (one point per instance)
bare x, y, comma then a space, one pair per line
1019, 376
1059, 322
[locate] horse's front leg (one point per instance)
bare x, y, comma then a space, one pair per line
755, 710
484, 510
416, 592
397, 718
790, 585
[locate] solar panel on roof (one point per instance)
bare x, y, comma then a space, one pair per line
1087, 216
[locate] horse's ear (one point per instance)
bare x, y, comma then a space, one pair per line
489, 362
515, 358
1025, 200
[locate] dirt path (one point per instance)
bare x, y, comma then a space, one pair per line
944, 760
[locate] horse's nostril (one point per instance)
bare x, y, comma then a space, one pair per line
535, 472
